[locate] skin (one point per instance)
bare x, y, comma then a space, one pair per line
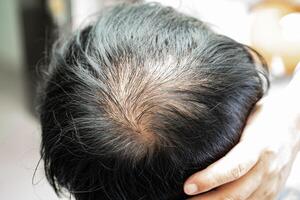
259, 165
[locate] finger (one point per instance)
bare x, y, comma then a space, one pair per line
229, 168
270, 197
240, 189
273, 185
262, 192
265, 196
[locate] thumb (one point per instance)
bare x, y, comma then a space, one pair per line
229, 168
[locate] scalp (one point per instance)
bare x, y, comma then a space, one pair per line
139, 95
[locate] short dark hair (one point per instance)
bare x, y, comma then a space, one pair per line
136, 102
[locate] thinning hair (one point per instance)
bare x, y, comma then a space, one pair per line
139, 100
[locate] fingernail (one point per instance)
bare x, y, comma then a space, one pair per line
191, 189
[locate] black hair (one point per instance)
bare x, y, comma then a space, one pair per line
139, 100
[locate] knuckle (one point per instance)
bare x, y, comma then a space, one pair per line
272, 172
268, 173
237, 172
269, 153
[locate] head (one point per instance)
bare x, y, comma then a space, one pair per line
139, 100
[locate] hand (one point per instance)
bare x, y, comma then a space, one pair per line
258, 166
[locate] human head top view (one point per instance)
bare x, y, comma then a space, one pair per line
139, 100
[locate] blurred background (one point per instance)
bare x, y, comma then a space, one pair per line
29, 27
